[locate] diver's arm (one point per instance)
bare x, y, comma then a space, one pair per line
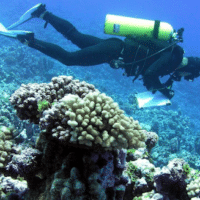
153, 84
158, 68
151, 76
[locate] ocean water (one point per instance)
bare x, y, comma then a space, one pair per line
89, 17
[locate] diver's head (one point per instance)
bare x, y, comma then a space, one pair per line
194, 62
193, 66
189, 68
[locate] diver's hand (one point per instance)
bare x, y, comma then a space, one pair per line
116, 64
167, 92
168, 83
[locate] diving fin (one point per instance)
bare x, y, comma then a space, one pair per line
12, 33
147, 99
26, 16
3, 28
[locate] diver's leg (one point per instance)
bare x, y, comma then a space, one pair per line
103, 52
61, 25
70, 32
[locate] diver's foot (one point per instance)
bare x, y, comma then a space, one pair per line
39, 10
26, 37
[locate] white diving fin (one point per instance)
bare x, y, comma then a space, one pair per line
147, 99
25, 17
12, 33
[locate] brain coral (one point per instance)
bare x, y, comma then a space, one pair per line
95, 120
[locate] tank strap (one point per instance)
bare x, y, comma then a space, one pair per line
156, 29
139, 72
122, 51
135, 58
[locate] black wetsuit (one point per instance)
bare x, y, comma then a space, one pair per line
94, 51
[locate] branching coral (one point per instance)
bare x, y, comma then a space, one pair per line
193, 189
94, 120
5, 145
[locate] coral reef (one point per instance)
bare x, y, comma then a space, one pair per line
177, 137
72, 173
82, 140
78, 115
141, 173
75, 118
193, 189
9, 185
176, 181
23, 161
152, 139
170, 180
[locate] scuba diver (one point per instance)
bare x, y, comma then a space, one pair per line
150, 59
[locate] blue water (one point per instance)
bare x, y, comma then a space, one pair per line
88, 17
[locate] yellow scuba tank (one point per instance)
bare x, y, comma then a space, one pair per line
138, 28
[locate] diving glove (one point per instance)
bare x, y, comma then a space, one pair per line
167, 92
